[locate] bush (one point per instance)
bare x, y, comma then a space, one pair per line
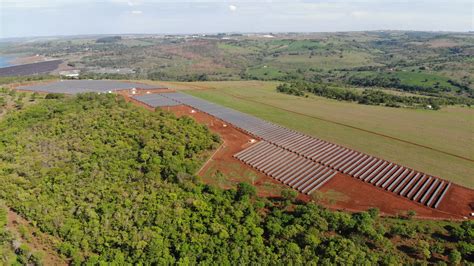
289, 194
455, 257
245, 189
54, 96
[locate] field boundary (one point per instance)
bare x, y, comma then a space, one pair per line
211, 157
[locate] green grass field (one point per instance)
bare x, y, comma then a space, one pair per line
449, 130
416, 78
324, 61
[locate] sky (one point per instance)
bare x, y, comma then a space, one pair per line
27, 18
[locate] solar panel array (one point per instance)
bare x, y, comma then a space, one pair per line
156, 100
30, 69
81, 86
250, 124
287, 167
414, 185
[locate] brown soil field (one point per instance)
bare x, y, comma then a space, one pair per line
29, 59
342, 192
459, 200
233, 141
347, 193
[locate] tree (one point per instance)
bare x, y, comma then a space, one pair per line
245, 189
423, 249
33, 97
411, 214
454, 257
54, 96
374, 212
289, 194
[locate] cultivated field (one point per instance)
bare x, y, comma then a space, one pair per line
440, 143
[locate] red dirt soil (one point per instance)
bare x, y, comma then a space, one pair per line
233, 140
363, 196
356, 195
459, 199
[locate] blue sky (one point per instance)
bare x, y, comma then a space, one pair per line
19, 18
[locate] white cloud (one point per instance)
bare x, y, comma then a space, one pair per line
232, 8
136, 12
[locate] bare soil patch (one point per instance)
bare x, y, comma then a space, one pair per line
342, 192
28, 59
360, 196
34, 238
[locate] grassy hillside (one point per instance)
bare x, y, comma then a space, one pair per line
328, 56
359, 126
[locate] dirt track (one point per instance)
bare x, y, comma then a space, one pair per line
234, 141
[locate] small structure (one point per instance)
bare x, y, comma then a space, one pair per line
70, 74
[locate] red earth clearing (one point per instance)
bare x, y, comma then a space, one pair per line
342, 192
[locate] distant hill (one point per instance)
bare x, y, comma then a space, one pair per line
109, 39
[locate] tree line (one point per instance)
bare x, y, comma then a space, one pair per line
368, 96
380, 80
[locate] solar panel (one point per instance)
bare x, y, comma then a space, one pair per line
82, 86
370, 169
156, 100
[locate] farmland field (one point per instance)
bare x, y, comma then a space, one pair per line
440, 143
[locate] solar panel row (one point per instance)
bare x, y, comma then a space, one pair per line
395, 178
287, 167
30, 69
81, 86
156, 100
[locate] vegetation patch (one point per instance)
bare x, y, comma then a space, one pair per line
115, 183
369, 96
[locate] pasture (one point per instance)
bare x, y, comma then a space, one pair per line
440, 142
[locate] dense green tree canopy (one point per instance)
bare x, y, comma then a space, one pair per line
116, 184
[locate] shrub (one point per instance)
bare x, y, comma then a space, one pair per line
50, 96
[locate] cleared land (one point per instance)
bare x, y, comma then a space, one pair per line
365, 128
388, 193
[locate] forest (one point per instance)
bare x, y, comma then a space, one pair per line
115, 183
385, 81
369, 96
